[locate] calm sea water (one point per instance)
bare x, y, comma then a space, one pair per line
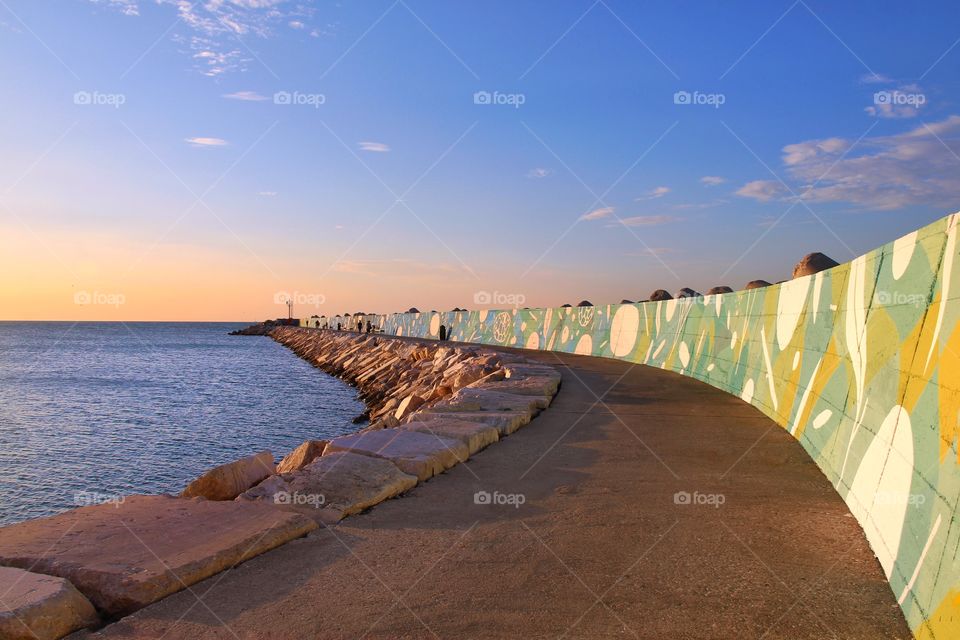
93, 410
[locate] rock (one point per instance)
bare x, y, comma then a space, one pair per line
35, 606
585, 303
334, 486
302, 456
506, 422
686, 292
229, 480
418, 454
413, 310
625, 301
407, 406
526, 386
476, 435
757, 284
124, 556
468, 399
660, 295
813, 263
718, 290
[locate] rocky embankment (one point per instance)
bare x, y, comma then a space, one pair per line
432, 405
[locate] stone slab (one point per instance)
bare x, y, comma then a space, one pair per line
526, 386
419, 454
229, 480
476, 435
38, 607
468, 399
505, 421
334, 486
126, 555
303, 455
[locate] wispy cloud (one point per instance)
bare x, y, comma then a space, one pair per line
762, 190
376, 147
712, 181
267, 194
653, 194
126, 7
918, 167
207, 142
539, 172
597, 214
643, 221
246, 96
875, 78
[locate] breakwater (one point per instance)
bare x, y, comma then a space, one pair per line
859, 362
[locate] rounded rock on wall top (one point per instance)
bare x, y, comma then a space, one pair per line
687, 292
660, 294
625, 301
585, 303
757, 284
721, 289
813, 263
413, 310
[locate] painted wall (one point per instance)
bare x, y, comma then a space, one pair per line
860, 363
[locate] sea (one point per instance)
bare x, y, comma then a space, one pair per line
91, 411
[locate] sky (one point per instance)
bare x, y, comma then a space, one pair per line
176, 160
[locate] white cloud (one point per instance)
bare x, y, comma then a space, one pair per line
762, 190
207, 142
296, 24
126, 7
246, 96
539, 173
643, 221
902, 102
597, 214
918, 167
376, 147
712, 181
875, 78
653, 194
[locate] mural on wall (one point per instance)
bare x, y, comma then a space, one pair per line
860, 363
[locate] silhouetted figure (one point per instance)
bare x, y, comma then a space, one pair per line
369, 326
443, 333
339, 326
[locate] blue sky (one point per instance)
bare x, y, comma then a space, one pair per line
147, 152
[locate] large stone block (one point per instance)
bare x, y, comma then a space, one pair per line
124, 556
419, 454
302, 456
334, 486
505, 421
468, 399
229, 480
476, 435
39, 607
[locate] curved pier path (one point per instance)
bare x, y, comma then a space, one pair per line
599, 547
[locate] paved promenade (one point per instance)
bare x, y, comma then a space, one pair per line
599, 547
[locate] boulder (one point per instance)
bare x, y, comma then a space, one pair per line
418, 454
35, 606
333, 486
468, 399
757, 284
721, 289
813, 263
687, 292
475, 435
229, 480
302, 456
526, 386
660, 295
585, 303
407, 406
124, 556
506, 422
625, 301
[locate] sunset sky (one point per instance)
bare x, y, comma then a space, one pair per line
173, 160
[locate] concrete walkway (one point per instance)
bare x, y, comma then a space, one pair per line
759, 545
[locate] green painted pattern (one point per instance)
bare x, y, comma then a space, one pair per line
860, 363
